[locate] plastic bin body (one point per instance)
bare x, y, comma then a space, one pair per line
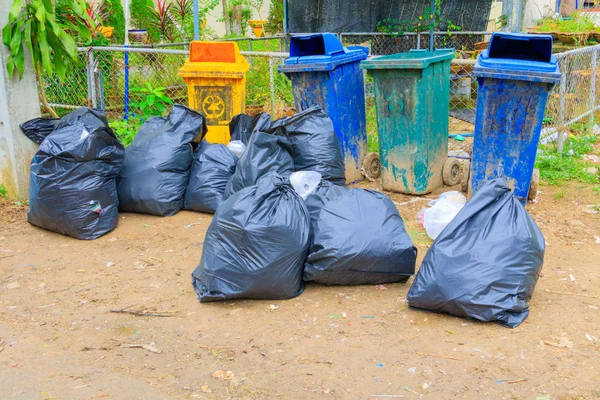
215, 74
515, 76
326, 74
412, 97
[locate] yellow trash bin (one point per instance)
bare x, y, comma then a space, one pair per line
215, 74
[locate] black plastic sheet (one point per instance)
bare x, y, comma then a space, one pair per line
265, 153
213, 166
256, 245
315, 144
72, 187
156, 171
358, 238
485, 263
242, 126
38, 129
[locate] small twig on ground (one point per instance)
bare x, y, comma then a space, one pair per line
151, 349
79, 387
388, 396
146, 261
144, 313
48, 305
10, 255
1, 344
439, 356
574, 294
517, 380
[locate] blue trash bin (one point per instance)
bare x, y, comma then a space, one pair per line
515, 75
327, 74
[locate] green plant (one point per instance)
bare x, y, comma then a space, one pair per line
142, 17
502, 21
559, 195
556, 168
419, 24
115, 18
3, 192
153, 101
162, 21
246, 16
275, 19
50, 40
126, 129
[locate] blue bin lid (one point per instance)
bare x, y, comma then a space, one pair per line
414, 59
518, 56
320, 52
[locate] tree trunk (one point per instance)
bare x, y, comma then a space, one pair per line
38, 72
236, 16
226, 17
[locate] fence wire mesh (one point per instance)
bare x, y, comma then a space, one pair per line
98, 79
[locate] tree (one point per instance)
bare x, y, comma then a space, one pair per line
35, 25
226, 17
116, 19
275, 19
142, 17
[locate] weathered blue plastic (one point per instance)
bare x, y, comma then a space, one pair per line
510, 109
412, 97
332, 79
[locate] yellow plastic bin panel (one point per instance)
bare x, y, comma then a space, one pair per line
215, 74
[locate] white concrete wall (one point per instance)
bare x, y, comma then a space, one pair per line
219, 27
18, 103
537, 9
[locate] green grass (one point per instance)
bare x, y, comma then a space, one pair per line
559, 195
125, 130
3, 192
372, 135
556, 169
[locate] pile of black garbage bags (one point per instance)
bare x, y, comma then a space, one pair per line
283, 216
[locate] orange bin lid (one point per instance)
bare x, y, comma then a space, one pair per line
226, 52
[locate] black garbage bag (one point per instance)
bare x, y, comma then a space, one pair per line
315, 145
265, 153
38, 129
485, 263
256, 245
242, 126
358, 238
73, 178
213, 166
157, 164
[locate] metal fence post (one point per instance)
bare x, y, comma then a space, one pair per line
561, 109
272, 85
89, 72
418, 40
93, 79
593, 86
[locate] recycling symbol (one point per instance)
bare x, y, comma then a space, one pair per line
213, 106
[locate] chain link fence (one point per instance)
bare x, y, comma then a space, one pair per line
104, 78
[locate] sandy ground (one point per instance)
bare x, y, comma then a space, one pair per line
62, 341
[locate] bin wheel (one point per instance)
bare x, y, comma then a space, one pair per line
465, 176
451, 172
372, 166
534, 185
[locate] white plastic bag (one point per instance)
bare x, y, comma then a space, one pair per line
441, 212
237, 147
305, 182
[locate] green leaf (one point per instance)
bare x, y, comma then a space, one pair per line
10, 66
47, 5
27, 33
40, 14
20, 61
45, 51
69, 45
15, 10
7, 33
150, 99
60, 65
15, 42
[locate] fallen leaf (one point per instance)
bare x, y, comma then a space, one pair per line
148, 347
223, 375
559, 342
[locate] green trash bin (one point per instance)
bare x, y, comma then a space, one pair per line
412, 96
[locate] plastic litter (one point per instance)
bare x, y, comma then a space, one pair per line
242, 126
486, 262
305, 182
237, 147
265, 153
38, 129
441, 212
315, 145
358, 238
213, 166
72, 187
156, 171
256, 245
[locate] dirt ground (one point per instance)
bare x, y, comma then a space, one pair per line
62, 340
